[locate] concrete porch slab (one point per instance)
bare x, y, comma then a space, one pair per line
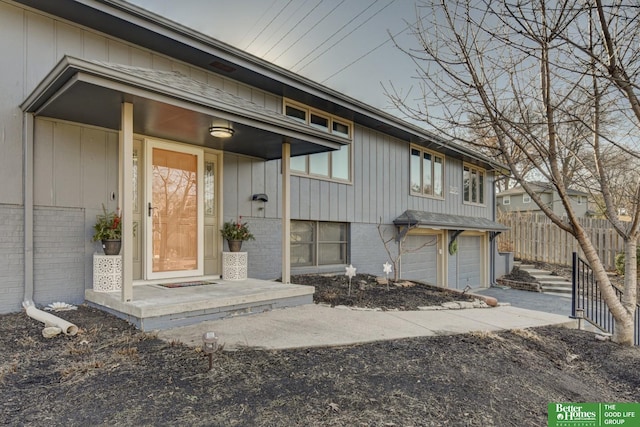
157, 307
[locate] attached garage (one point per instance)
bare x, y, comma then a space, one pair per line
422, 260
467, 266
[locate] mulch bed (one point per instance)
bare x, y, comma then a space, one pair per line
114, 375
367, 292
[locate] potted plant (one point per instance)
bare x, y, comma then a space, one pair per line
108, 230
236, 232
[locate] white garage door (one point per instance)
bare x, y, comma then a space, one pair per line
421, 265
469, 262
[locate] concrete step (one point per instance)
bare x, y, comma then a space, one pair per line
559, 282
556, 284
549, 283
554, 291
558, 294
535, 271
523, 266
550, 278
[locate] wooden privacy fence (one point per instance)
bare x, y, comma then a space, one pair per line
533, 237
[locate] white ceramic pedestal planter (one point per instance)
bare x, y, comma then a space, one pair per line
234, 265
107, 272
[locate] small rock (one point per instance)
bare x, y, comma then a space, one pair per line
381, 280
571, 357
451, 305
405, 284
465, 304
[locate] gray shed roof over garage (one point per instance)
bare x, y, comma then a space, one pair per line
413, 218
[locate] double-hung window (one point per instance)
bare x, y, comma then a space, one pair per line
427, 173
334, 165
473, 183
315, 243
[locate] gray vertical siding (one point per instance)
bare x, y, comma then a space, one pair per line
75, 166
379, 191
12, 74
380, 188
76, 169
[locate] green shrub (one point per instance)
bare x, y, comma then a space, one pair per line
619, 261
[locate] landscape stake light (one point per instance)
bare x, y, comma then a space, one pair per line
209, 346
580, 316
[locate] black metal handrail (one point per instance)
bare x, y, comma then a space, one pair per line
586, 296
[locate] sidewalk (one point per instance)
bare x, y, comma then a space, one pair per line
315, 325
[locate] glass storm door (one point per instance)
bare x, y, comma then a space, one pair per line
174, 217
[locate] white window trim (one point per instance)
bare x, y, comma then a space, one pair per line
506, 200
484, 182
331, 119
526, 198
423, 150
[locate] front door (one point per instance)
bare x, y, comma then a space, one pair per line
174, 210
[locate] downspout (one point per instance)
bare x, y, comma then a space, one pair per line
492, 242
286, 212
27, 194
27, 191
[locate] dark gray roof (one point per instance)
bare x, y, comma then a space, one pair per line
447, 222
134, 24
170, 105
186, 84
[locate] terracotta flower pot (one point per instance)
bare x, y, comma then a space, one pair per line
234, 245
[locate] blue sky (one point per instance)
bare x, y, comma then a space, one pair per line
343, 44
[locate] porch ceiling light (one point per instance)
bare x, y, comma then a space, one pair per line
221, 131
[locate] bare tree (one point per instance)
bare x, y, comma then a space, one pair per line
620, 169
395, 246
534, 78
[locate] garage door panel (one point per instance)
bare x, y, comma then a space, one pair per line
422, 264
468, 270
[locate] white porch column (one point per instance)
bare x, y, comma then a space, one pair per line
286, 212
125, 150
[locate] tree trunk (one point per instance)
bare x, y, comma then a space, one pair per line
623, 331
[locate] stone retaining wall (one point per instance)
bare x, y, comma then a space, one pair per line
523, 286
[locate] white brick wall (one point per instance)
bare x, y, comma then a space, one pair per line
367, 249
265, 253
59, 255
11, 259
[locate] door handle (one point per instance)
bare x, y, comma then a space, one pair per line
150, 209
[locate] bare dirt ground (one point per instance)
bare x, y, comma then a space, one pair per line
111, 374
